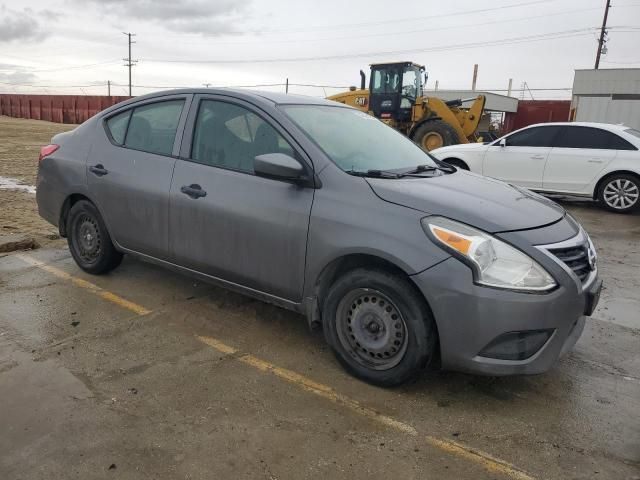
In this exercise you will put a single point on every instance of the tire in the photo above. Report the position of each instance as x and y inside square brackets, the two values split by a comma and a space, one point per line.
[434, 134]
[379, 326]
[89, 241]
[620, 193]
[457, 163]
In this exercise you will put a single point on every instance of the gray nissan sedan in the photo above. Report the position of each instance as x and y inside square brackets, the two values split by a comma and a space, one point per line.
[405, 262]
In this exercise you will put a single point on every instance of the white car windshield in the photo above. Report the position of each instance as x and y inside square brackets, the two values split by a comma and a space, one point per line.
[356, 141]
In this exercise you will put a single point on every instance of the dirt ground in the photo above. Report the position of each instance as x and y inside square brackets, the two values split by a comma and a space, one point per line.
[20, 142]
[144, 373]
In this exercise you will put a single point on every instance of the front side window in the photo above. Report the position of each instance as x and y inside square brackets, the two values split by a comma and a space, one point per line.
[230, 136]
[152, 127]
[356, 141]
[533, 137]
[385, 80]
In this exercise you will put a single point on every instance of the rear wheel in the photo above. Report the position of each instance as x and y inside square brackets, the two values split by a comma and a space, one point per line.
[89, 241]
[435, 134]
[378, 326]
[620, 193]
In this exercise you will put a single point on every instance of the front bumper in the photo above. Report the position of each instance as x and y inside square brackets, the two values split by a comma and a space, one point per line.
[469, 317]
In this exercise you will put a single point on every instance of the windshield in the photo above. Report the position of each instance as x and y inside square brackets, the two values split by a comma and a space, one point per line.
[356, 141]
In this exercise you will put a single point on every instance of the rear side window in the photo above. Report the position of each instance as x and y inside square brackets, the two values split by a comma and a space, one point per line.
[231, 136]
[533, 137]
[592, 138]
[117, 126]
[152, 127]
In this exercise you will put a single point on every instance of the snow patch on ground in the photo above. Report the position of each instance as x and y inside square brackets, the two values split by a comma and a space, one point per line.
[13, 184]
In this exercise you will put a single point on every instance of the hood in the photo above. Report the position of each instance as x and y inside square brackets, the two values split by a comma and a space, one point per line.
[482, 202]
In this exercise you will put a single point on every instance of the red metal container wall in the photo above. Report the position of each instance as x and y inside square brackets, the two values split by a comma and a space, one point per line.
[537, 111]
[55, 108]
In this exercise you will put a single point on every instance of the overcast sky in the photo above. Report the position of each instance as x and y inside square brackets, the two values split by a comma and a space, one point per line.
[75, 46]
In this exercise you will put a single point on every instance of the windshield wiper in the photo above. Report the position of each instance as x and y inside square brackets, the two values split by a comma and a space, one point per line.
[427, 168]
[373, 173]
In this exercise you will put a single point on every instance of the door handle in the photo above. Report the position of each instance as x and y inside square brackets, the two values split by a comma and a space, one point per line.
[194, 190]
[98, 170]
[538, 157]
[595, 160]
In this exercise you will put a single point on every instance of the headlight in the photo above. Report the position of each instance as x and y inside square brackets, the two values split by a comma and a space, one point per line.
[494, 262]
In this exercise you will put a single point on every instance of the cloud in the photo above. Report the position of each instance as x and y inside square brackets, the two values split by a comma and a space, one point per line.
[17, 77]
[21, 25]
[187, 16]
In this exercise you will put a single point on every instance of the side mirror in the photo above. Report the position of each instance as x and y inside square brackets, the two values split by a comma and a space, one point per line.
[503, 142]
[279, 166]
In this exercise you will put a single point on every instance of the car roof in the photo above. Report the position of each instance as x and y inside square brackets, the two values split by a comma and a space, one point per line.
[254, 96]
[606, 126]
[277, 98]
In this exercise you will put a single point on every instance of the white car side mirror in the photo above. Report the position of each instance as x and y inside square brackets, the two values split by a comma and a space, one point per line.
[503, 142]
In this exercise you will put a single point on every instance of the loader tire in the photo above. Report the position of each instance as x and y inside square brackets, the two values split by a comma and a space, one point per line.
[435, 134]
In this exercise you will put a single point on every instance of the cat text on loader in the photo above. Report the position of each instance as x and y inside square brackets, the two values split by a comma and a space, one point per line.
[395, 96]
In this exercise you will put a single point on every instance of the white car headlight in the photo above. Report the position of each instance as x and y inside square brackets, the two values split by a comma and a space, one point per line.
[494, 262]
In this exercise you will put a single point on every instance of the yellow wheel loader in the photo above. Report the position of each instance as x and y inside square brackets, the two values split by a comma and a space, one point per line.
[395, 96]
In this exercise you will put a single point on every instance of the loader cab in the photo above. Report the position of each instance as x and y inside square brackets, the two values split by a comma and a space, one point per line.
[393, 90]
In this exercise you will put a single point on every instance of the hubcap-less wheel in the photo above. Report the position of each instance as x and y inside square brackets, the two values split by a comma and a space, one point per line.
[371, 328]
[87, 238]
[431, 141]
[620, 194]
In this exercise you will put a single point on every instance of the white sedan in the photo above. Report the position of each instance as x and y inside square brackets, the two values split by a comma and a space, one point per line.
[595, 160]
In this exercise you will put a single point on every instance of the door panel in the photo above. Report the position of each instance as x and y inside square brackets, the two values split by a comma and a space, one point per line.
[522, 166]
[227, 222]
[578, 156]
[248, 230]
[131, 186]
[522, 160]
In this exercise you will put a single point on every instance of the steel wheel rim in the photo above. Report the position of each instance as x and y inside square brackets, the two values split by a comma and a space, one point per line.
[621, 194]
[432, 140]
[87, 239]
[371, 329]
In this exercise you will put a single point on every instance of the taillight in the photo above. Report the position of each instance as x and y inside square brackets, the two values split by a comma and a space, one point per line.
[47, 150]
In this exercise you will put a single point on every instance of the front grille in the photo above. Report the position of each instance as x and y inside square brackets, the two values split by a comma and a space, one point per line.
[576, 258]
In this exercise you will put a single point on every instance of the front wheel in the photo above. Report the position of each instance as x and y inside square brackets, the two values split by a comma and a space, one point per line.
[620, 193]
[379, 326]
[435, 134]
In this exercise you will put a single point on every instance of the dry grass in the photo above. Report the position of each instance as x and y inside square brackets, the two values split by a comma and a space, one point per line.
[20, 142]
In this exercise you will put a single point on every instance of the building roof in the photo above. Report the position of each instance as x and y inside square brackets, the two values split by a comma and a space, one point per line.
[495, 102]
[607, 81]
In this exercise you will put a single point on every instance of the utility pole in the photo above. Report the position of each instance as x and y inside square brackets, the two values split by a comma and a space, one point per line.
[475, 78]
[286, 86]
[108, 88]
[436, 87]
[130, 63]
[603, 34]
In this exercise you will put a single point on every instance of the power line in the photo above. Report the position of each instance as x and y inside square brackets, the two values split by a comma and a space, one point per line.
[506, 41]
[403, 32]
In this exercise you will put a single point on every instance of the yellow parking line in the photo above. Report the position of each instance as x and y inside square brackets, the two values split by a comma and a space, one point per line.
[479, 457]
[489, 462]
[79, 282]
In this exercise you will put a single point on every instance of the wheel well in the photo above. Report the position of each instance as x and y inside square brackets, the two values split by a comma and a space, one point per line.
[454, 160]
[69, 202]
[342, 265]
[609, 175]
